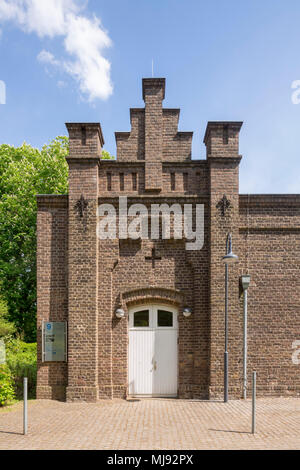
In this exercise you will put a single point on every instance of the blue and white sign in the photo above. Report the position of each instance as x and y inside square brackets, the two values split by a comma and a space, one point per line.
[54, 341]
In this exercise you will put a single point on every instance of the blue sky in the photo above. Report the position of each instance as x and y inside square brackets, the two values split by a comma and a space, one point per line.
[223, 60]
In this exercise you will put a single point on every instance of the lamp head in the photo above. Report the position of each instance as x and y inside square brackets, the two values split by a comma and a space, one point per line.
[230, 257]
[245, 281]
[187, 312]
[120, 313]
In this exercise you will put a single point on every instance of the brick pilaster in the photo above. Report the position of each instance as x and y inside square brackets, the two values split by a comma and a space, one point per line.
[85, 149]
[153, 95]
[221, 140]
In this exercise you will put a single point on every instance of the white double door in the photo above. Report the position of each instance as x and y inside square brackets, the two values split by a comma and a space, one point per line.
[153, 361]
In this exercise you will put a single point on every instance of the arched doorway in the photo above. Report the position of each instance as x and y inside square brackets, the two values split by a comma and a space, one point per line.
[153, 350]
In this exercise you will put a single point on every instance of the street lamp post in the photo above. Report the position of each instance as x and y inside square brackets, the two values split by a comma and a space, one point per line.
[229, 258]
[245, 281]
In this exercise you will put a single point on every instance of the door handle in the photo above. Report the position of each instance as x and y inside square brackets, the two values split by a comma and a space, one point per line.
[155, 365]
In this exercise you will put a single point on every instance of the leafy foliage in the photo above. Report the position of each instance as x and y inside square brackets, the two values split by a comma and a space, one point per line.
[25, 172]
[6, 385]
[106, 155]
[7, 329]
[21, 359]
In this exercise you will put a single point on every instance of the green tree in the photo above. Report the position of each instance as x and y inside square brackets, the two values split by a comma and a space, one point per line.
[7, 329]
[25, 172]
[7, 393]
[106, 155]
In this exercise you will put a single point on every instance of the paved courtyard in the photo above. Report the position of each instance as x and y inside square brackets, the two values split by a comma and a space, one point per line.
[153, 424]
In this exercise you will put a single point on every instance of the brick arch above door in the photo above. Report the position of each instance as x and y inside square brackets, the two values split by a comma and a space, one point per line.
[152, 294]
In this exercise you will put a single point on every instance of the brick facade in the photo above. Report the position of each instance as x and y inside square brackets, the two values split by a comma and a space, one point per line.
[83, 280]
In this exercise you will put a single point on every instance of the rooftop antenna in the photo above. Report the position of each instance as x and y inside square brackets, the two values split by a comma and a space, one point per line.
[152, 69]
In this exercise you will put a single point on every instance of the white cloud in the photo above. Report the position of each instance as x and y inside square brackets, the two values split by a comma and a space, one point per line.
[61, 84]
[84, 39]
[47, 57]
[11, 11]
[43, 17]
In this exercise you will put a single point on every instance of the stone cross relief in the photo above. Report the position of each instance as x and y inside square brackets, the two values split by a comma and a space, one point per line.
[154, 257]
[81, 206]
[224, 204]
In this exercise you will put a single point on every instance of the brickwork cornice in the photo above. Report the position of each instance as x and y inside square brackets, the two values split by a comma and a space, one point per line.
[130, 164]
[166, 163]
[73, 127]
[79, 159]
[228, 160]
[52, 200]
[213, 125]
[186, 164]
[121, 135]
[273, 228]
[154, 83]
[157, 197]
[274, 200]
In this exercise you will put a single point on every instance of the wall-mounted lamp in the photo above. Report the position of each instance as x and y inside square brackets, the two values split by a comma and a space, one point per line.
[120, 313]
[187, 312]
[229, 258]
[245, 281]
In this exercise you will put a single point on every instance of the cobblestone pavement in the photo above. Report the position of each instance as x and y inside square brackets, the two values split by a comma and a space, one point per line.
[153, 424]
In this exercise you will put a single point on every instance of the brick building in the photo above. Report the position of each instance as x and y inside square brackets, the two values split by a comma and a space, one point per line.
[154, 349]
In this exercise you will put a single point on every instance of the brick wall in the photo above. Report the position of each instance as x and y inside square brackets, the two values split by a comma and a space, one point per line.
[270, 253]
[84, 280]
[52, 287]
